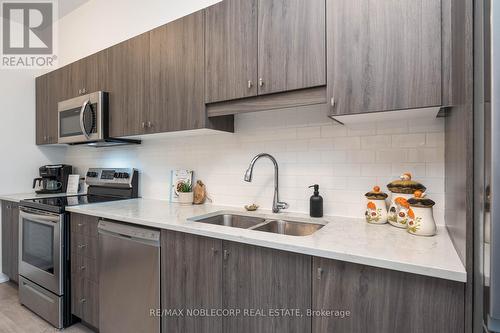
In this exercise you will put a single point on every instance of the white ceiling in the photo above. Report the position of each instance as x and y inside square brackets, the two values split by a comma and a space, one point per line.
[67, 6]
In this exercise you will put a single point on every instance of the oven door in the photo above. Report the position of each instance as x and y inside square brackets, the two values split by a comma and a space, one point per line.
[41, 248]
[81, 118]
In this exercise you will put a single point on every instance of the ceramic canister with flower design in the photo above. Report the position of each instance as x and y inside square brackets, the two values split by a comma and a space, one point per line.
[401, 190]
[422, 222]
[376, 209]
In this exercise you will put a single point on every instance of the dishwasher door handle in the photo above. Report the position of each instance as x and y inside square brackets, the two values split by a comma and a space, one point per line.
[129, 233]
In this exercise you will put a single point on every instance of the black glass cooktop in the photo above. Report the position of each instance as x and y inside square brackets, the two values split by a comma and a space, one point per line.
[58, 204]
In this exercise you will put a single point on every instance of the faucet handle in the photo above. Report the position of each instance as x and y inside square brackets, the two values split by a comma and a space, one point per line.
[282, 205]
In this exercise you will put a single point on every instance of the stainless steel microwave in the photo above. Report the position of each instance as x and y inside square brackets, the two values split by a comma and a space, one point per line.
[83, 119]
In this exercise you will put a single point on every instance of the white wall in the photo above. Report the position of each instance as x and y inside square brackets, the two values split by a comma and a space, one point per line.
[99, 24]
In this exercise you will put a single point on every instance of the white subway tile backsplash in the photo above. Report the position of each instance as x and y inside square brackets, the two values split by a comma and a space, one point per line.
[311, 149]
[435, 140]
[333, 130]
[347, 143]
[408, 140]
[376, 142]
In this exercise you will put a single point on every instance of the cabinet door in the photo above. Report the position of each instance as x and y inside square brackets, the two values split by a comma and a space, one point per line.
[260, 278]
[292, 45]
[231, 50]
[128, 86]
[7, 239]
[42, 109]
[14, 219]
[383, 55]
[177, 75]
[89, 74]
[192, 279]
[384, 301]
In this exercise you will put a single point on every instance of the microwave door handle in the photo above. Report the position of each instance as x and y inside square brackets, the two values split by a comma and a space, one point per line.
[82, 125]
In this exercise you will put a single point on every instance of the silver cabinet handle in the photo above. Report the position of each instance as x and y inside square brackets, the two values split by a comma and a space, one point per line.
[226, 254]
[81, 246]
[79, 91]
[320, 273]
[214, 250]
[83, 300]
[82, 268]
[150, 124]
[143, 124]
[250, 84]
[261, 82]
[333, 102]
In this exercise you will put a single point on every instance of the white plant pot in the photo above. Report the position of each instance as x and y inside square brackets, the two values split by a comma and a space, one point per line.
[186, 198]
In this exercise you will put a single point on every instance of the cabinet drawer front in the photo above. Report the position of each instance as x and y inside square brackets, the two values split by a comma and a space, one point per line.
[84, 267]
[85, 300]
[84, 225]
[76, 295]
[84, 245]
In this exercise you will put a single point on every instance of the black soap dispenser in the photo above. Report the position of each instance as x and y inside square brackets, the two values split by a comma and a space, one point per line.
[316, 203]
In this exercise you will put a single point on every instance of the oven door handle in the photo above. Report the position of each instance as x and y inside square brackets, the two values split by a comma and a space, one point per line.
[49, 220]
[82, 114]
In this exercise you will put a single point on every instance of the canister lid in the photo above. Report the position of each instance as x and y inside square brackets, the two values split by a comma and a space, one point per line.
[405, 185]
[376, 194]
[419, 200]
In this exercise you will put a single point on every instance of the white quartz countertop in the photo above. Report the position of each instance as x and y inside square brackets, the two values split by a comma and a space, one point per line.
[31, 195]
[345, 239]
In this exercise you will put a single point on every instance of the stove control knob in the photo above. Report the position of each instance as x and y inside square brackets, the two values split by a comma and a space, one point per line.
[91, 174]
[125, 175]
[116, 175]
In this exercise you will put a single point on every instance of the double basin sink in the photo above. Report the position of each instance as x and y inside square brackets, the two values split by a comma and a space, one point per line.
[277, 226]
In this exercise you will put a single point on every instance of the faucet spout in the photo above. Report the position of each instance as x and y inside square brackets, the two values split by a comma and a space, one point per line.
[277, 205]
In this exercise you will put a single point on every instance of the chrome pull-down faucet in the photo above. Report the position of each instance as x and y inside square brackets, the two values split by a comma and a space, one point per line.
[277, 204]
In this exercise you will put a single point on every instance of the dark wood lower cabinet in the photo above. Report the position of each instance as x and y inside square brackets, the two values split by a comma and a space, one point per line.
[254, 284]
[384, 301]
[84, 269]
[191, 279]
[10, 240]
[264, 282]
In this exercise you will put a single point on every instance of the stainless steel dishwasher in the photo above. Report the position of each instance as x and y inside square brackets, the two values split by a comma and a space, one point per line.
[129, 278]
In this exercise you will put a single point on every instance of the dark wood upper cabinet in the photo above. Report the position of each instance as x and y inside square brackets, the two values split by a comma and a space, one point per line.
[261, 278]
[89, 74]
[257, 47]
[384, 301]
[191, 271]
[10, 239]
[383, 55]
[128, 84]
[177, 75]
[231, 50]
[292, 45]
[42, 108]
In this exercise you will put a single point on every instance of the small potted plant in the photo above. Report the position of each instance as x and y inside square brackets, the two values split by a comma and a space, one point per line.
[185, 193]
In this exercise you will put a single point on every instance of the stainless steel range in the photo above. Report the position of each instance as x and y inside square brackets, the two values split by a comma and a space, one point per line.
[44, 242]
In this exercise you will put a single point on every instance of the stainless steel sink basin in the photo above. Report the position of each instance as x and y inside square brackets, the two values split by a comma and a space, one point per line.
[232, 220]
[277, 226]
[289, 228]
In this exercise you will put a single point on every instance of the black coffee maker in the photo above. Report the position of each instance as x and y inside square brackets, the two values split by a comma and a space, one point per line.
[53, 179]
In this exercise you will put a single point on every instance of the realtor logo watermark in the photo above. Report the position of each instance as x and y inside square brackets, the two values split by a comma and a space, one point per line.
[28, 34]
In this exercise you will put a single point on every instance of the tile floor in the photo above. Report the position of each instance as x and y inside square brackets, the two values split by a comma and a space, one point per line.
[15, 318]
